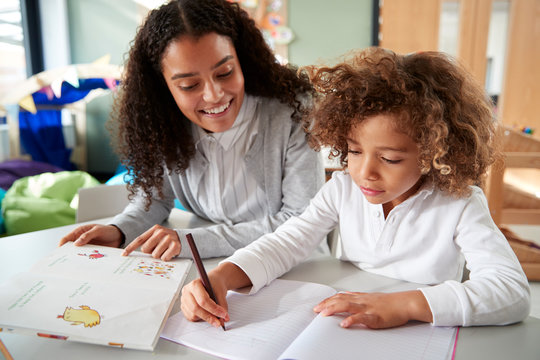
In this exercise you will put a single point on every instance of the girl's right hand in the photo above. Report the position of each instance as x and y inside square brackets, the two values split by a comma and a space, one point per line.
[106, 235]
[197, 305]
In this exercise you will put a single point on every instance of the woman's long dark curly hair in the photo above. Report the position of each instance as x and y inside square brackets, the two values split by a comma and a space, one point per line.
[436, 101]
[150, 133]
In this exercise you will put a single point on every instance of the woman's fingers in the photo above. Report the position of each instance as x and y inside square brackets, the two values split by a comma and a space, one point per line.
[106, 235]
[163, 243]
[75, 234]
[136, 243]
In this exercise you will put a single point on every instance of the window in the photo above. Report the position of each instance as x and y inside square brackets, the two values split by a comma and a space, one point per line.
[12, 53]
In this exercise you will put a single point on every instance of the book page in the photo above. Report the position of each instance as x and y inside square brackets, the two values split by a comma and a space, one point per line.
[102, 263]
[84, 310]
[262, 325]
[97, 299]
[325, 339]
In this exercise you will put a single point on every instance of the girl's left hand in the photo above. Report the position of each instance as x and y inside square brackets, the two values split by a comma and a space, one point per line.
[163, 243]
[377, 310]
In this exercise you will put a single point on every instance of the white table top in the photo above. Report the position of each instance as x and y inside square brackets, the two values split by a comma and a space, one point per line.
[18, 253]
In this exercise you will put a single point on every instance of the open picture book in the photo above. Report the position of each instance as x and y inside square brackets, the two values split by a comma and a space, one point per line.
[278, 322]
[93, 294]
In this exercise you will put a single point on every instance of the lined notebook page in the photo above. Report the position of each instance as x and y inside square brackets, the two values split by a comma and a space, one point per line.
[325, 339]
[261, 326]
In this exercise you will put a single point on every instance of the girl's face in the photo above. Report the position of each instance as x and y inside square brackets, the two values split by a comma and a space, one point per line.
[383, 162]
[204, 77]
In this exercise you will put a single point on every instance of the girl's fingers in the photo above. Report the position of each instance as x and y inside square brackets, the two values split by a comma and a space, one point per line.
[339, 303]
[196, 304]
[372, 321]
[196, 313]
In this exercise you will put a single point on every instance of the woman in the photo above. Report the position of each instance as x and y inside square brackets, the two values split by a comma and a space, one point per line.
[206, 115]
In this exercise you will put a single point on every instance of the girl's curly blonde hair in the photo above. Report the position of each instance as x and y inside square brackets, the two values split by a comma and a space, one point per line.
[437, 103]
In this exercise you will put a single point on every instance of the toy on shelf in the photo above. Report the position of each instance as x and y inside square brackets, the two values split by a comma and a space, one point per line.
[526, 130]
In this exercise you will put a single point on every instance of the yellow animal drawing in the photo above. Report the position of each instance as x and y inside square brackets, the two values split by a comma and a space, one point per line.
[84, 315]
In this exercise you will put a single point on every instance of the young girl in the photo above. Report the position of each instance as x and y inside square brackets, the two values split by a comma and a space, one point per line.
[416, 135]
[206, 115]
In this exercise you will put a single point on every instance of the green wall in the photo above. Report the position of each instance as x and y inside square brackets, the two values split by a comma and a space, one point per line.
[97, 28]
[325, 29]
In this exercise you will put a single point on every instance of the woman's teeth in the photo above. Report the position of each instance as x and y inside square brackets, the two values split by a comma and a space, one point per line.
[218, 109]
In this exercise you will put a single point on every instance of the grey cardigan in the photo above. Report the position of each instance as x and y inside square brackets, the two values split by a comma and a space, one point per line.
[283, 164]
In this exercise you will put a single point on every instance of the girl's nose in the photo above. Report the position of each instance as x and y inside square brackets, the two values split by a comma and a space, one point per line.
[368, 170]
[212, 92]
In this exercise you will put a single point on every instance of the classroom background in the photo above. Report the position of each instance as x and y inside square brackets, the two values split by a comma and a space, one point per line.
[67, 56]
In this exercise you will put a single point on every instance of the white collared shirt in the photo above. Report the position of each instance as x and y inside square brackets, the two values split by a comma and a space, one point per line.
[227, 191]
[425, 240]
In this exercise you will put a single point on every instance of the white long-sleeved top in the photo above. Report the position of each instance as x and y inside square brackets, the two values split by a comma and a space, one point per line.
[426, 239]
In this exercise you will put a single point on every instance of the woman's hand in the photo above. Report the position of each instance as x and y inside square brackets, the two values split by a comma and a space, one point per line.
[197, 305]
[106, 235]
[377, 310]
[163, 243]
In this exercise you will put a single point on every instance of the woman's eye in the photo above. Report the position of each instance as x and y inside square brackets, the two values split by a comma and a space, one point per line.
[187, 87]
[354, 152]
[225, 74]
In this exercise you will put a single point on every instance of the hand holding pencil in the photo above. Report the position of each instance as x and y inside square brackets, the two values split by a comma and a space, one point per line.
[202, 273]
[197, 303]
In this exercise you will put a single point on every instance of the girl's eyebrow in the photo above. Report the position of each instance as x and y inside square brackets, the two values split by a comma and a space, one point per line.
[390, 148]
[218, 64]
[350, 140]
[380, 148]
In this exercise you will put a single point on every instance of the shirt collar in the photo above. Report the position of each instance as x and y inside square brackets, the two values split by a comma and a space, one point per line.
[426, 189]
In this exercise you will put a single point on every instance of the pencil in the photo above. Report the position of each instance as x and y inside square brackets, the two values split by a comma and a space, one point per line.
[4, 351]
[202, 271]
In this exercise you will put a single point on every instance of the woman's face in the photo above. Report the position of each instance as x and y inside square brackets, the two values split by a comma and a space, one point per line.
[204, 77]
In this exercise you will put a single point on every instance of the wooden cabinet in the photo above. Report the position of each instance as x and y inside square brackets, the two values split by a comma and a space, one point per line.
[413, 25]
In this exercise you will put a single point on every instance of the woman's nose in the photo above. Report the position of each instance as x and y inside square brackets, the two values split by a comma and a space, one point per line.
[212, 92]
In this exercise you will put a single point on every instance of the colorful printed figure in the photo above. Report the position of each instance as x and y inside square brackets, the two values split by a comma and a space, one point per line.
[155, 268]
[94, 255]
[85, 315]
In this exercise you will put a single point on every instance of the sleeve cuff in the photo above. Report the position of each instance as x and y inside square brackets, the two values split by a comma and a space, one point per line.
[444, 305]
[252, 267]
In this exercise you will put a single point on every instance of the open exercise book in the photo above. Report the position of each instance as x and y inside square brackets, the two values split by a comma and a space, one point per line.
[93, 294]
[278, 323]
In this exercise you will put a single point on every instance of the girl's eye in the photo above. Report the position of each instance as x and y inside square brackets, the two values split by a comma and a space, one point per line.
[391, 161]
[354, 152]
